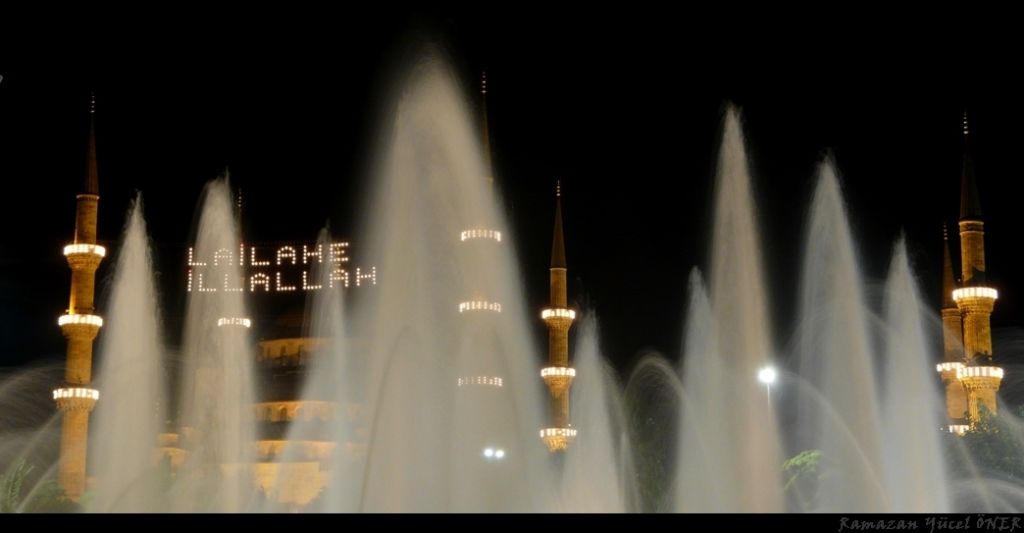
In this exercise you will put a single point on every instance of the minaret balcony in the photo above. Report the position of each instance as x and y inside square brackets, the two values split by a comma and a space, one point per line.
[949, 369]
[959, 429]
[979, 372]
[234, 321]
[558, 312]
[479, 305]
[557, 439]
[558, 317]
[558, 378]
[85, 249]
[949, 366]
[966, 294]
[79, 325]
[980, 377]
[480, 381]
[480, 233]
[75, 398]
[84, 255]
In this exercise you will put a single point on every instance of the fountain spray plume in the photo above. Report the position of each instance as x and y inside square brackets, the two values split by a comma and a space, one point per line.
[331, 387]
[130, 376]
[838, 412]
[743, 442]
[697, 487]
[915, 469]
[217, 394]
[599, 466]
[453, 369]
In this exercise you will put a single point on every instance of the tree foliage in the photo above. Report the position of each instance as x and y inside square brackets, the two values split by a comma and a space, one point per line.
[995, 444]
[17, 494]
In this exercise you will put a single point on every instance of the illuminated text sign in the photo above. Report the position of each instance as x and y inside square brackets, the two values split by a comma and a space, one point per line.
[276, 269]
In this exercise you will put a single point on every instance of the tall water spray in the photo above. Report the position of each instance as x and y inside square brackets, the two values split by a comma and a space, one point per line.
[217, 380]
[332, 379]
[838, 409]
[696, 458]
[598, 469]
[915, 470]
[738, 429]
[29, 433]
[453, 390]
[132, 381]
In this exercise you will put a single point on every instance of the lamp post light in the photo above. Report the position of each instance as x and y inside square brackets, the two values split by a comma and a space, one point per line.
[767, 375]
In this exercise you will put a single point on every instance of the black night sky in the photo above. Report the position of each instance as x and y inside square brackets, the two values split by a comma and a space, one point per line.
[624, 107]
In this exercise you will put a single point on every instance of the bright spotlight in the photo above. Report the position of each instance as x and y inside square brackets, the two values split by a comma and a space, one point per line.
[767, 375]
[500, 454]
[488, 452]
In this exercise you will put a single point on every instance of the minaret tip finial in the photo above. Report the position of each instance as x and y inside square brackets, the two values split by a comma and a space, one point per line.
[483, 82]
[966, 130]
[945, 233]
[92, 102]
[558, 188]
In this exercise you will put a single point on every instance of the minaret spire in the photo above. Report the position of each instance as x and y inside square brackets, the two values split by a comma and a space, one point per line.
[558, 241]
[485, 129]
[948, 277]
[75, 398]
[970, 205]
[952, 344]
[975, 300]
[558, 375]
[91, 184]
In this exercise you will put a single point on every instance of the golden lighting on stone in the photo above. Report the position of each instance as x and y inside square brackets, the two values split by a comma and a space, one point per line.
[946, 367]
[90, 320]
[979, 372]
[76, 392]
[490, 381]
[234, 322]
[481, 234]
[975, 292]
[558, 371]
[479, 305]
[290, 410]
[92, 249]
[559, 312]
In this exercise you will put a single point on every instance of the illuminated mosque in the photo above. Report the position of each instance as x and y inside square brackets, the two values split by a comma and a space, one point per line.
[284, 421]
[299, 426]
[967, 370]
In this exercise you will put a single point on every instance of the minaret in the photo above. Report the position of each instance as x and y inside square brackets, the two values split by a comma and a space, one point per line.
[558, 375]
[481, 380]
[952, 342]
[80, 324]
[488, 166]
[975, 298]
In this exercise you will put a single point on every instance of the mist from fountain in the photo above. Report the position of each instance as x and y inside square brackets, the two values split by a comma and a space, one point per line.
[130, 374]
[217, 397]
[915, 470]
[839, 415]
[879, 445]
[333, 379]
[437, 407]
[451, 365]
[29, 432]
[741, 446]
[598, 470]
